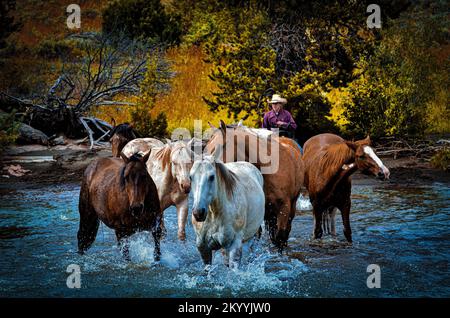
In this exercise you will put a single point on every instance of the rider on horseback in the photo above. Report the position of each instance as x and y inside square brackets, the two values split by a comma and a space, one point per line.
[279, 117]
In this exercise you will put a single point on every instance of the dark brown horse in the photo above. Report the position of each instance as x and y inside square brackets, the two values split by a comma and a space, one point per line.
[329, 163]
[279, 160]
[119, 136]
[122, 195]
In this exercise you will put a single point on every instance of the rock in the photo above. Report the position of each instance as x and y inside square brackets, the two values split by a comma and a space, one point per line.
[15, 170]
[30, 135]
[58, 141]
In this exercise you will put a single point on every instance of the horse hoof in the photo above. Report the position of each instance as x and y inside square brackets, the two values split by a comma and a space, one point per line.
[182, 237]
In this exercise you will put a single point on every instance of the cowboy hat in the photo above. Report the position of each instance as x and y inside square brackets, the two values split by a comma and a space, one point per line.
[277, 99]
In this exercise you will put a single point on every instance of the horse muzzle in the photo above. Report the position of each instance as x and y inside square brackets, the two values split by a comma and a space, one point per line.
[384, 173]
[199, 214]
[137, 209]
[185, 187]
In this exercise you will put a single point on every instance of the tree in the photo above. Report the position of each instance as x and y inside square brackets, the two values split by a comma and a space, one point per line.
[7, 23]
[103, 68]
[143, 19]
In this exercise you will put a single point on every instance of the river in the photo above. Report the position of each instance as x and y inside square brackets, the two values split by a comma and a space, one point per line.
[405, 230]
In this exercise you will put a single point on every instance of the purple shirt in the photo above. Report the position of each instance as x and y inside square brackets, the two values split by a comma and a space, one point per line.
[271, 118]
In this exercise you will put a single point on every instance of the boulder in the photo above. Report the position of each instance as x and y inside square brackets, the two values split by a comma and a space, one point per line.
[30, 135]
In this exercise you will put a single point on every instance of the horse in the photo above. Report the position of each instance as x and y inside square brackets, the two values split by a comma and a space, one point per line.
[228, 207]
[281, 186]
[169, 167]
[122, 195]
[141, 146]
[329, 163]
[119, 136]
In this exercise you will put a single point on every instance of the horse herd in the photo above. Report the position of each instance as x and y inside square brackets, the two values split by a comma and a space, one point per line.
[232, 192]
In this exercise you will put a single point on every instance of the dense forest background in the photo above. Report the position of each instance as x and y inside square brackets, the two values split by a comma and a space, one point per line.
[211, 60]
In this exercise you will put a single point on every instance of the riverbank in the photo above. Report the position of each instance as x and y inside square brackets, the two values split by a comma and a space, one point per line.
[69, 162]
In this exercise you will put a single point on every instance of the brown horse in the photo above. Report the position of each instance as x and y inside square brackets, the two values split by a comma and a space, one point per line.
[329, 163]
[123, 196]
[282, 181]
[119, 136]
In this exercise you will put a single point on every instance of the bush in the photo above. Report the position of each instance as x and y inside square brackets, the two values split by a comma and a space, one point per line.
[9, 129]
[441, 160]
[146, 126]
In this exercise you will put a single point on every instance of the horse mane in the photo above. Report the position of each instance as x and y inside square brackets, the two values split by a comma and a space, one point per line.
[163, 154]
[334, 157]
[226, 178]
[124, 130]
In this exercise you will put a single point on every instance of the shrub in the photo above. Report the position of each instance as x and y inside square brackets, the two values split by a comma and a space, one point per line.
[9, 129]
[441, 160]
[144, 19]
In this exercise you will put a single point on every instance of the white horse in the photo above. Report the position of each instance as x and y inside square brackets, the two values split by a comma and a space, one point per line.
[228, 207]
[169, 166]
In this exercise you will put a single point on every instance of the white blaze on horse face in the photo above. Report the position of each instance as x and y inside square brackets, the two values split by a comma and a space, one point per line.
[369, 151]
[204, 185]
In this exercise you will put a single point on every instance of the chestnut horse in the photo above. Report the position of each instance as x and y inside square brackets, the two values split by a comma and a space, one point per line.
[122, 195]
[281, 185]
[329, 163]
[119, 136]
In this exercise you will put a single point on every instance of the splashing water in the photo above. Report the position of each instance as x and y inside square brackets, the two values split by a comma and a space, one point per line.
[404, 230]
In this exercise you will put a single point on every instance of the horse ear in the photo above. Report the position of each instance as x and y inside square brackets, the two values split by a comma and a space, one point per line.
[367, 140]
[125, 158]
[113, 121]
[352, 145]
[146, 156]
[223, 127]
[211, 125]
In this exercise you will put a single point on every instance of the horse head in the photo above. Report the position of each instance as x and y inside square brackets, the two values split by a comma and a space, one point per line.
[181, 164]
[203, 179]
[119, 136]
[135, 181]
[366, 160]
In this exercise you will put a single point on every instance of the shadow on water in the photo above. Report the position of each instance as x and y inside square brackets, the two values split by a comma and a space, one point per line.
[404, 230]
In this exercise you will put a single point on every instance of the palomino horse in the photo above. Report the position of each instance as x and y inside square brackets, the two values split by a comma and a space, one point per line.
[228, 207]
[329, 163]
[169, 166]
[281, 186]
[123, 196]
[119, 136]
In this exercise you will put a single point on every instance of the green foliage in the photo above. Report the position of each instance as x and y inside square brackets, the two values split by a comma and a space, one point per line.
[441, 160]
[146, 125]
[403, 88]
[145, 19]
[9, 129]
[51, 49]
[7, 23]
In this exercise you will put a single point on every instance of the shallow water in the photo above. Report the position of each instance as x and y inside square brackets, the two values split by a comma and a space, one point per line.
[404, 230]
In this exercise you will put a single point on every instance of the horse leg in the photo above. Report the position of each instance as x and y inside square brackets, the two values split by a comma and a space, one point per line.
[284, 220]
[88, 226]
[157, 234]
[317, 223]
[226, 257]
[235, 257]
[206, 254]
[345, 213]
[182, 213]
[333, 221]
[122, 241]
